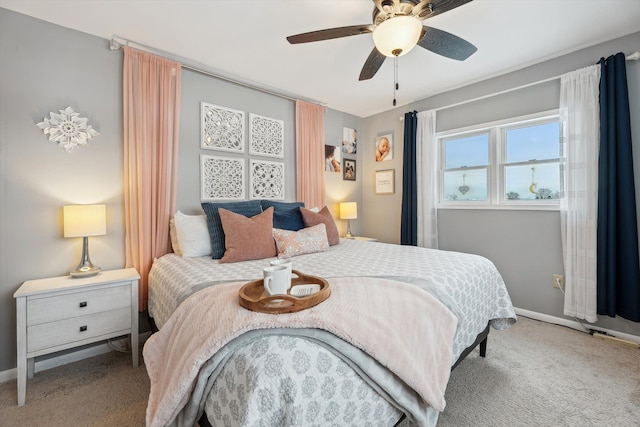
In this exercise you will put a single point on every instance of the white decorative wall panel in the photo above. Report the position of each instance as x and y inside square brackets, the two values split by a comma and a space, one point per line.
[266, 136]
[222, 128]
[221, 178]
[267, 180]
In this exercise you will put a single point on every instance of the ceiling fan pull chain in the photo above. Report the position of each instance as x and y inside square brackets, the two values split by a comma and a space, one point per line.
[395, 78]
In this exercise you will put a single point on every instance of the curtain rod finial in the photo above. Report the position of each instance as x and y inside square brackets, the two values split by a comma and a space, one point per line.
[114, 44]
[634, 56]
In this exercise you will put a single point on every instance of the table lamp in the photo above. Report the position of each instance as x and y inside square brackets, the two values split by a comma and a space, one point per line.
[349, 211]
[84, 221]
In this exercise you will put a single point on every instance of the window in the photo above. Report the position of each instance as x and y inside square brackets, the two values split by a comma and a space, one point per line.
[515, 162]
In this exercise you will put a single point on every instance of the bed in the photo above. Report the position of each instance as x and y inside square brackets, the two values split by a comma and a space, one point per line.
[282, 375]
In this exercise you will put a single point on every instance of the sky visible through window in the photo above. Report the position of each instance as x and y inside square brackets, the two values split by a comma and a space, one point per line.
[539, 142]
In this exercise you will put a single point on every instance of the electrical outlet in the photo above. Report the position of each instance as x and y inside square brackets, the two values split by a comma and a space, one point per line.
[558, 281]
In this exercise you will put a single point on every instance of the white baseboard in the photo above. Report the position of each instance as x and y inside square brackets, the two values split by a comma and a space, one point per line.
[63, 359]
[574, 324]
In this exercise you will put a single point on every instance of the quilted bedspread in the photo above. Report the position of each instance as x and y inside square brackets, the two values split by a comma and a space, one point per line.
[329, 390]
[403, 328]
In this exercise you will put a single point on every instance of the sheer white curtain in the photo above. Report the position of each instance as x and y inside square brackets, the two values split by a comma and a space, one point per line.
[427, 179]
[579, 93]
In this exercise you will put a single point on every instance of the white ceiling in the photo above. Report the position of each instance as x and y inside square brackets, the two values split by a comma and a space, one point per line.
[246, 40]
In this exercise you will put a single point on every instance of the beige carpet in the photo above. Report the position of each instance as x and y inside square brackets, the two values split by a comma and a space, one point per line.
[100, 391]
[535, 374]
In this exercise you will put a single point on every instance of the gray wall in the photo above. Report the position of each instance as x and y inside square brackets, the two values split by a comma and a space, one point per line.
[45, 68]
[524, 245]
[37, 178]
[336, 189]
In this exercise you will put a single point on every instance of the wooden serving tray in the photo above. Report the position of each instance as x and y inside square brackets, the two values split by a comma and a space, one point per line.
[254, 297]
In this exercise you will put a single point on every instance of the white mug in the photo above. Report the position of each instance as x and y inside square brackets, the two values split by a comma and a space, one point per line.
[276, 279]
[287, 263]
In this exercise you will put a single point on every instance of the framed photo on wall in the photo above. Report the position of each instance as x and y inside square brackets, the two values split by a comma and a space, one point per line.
[349, 170]
[332, 158]
[349, 141]
[385, 181]
[384, 147]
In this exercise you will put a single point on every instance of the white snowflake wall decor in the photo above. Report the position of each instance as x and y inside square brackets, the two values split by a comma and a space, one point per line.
[221, 178]
[68, 129]
[222, 128]
[267, 180]
[266, 136]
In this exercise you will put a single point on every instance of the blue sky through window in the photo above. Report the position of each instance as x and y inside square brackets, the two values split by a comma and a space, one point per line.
[538, 142]
[468, 151]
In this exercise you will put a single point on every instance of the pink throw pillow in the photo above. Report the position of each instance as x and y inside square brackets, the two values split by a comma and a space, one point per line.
[311, 218]
[247, 238]
[305, 241]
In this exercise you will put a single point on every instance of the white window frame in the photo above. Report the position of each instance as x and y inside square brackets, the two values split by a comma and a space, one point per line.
[496, 197]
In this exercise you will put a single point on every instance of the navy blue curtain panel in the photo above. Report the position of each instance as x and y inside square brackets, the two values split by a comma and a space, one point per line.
[409, 218]
[618, 260]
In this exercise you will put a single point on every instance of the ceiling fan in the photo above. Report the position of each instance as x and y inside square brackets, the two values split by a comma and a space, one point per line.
[397, 28]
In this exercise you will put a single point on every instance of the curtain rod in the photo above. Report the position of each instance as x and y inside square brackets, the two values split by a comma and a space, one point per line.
[631, 57]
[118, 42]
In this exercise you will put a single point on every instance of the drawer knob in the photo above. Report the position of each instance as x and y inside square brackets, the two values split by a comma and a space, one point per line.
[83, 304]
[83, 328]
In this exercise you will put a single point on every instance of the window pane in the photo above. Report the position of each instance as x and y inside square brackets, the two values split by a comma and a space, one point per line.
[468, 151]
[466, 185]
[538, 142]
[545, 183]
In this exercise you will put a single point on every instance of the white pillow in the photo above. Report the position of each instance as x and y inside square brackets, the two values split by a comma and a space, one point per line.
[193, 235]
[174, 237]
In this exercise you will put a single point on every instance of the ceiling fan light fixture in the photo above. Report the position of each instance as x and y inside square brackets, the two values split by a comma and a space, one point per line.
[398, 35]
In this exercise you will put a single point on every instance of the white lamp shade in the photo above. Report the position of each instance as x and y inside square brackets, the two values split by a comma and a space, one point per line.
[398, 35]
[349, 210]
[85, 220]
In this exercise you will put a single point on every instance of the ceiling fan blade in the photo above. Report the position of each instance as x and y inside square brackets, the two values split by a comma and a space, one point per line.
[437, 7]
[331, 33]
[372, 65]
[446, 44]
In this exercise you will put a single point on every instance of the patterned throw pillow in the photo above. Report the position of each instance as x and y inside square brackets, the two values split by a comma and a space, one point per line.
[323, 217]
[247, 238]
[306, 241]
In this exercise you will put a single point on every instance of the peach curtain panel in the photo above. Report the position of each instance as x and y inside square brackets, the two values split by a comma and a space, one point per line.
[310, 154]
[151, 98]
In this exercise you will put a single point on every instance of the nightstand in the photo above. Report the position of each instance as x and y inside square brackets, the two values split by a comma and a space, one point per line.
[363, 239]
[64, 312]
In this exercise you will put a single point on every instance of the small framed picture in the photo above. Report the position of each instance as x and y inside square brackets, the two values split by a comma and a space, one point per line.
[385, 181]
[349, 141]
[332, 158]
[384, 147]
[349, 170]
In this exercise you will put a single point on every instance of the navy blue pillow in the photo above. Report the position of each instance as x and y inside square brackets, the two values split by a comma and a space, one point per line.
[247, 208]
[286, 215]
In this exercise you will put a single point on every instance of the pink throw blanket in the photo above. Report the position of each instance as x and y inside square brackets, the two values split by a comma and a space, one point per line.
[400, 325]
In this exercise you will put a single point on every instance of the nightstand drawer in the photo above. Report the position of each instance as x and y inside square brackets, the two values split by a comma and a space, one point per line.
[79, 328]
[59, 307]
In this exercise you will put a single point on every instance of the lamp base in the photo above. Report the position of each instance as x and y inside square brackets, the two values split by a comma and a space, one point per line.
[348, 235]
[85, 268]
[85, 272]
